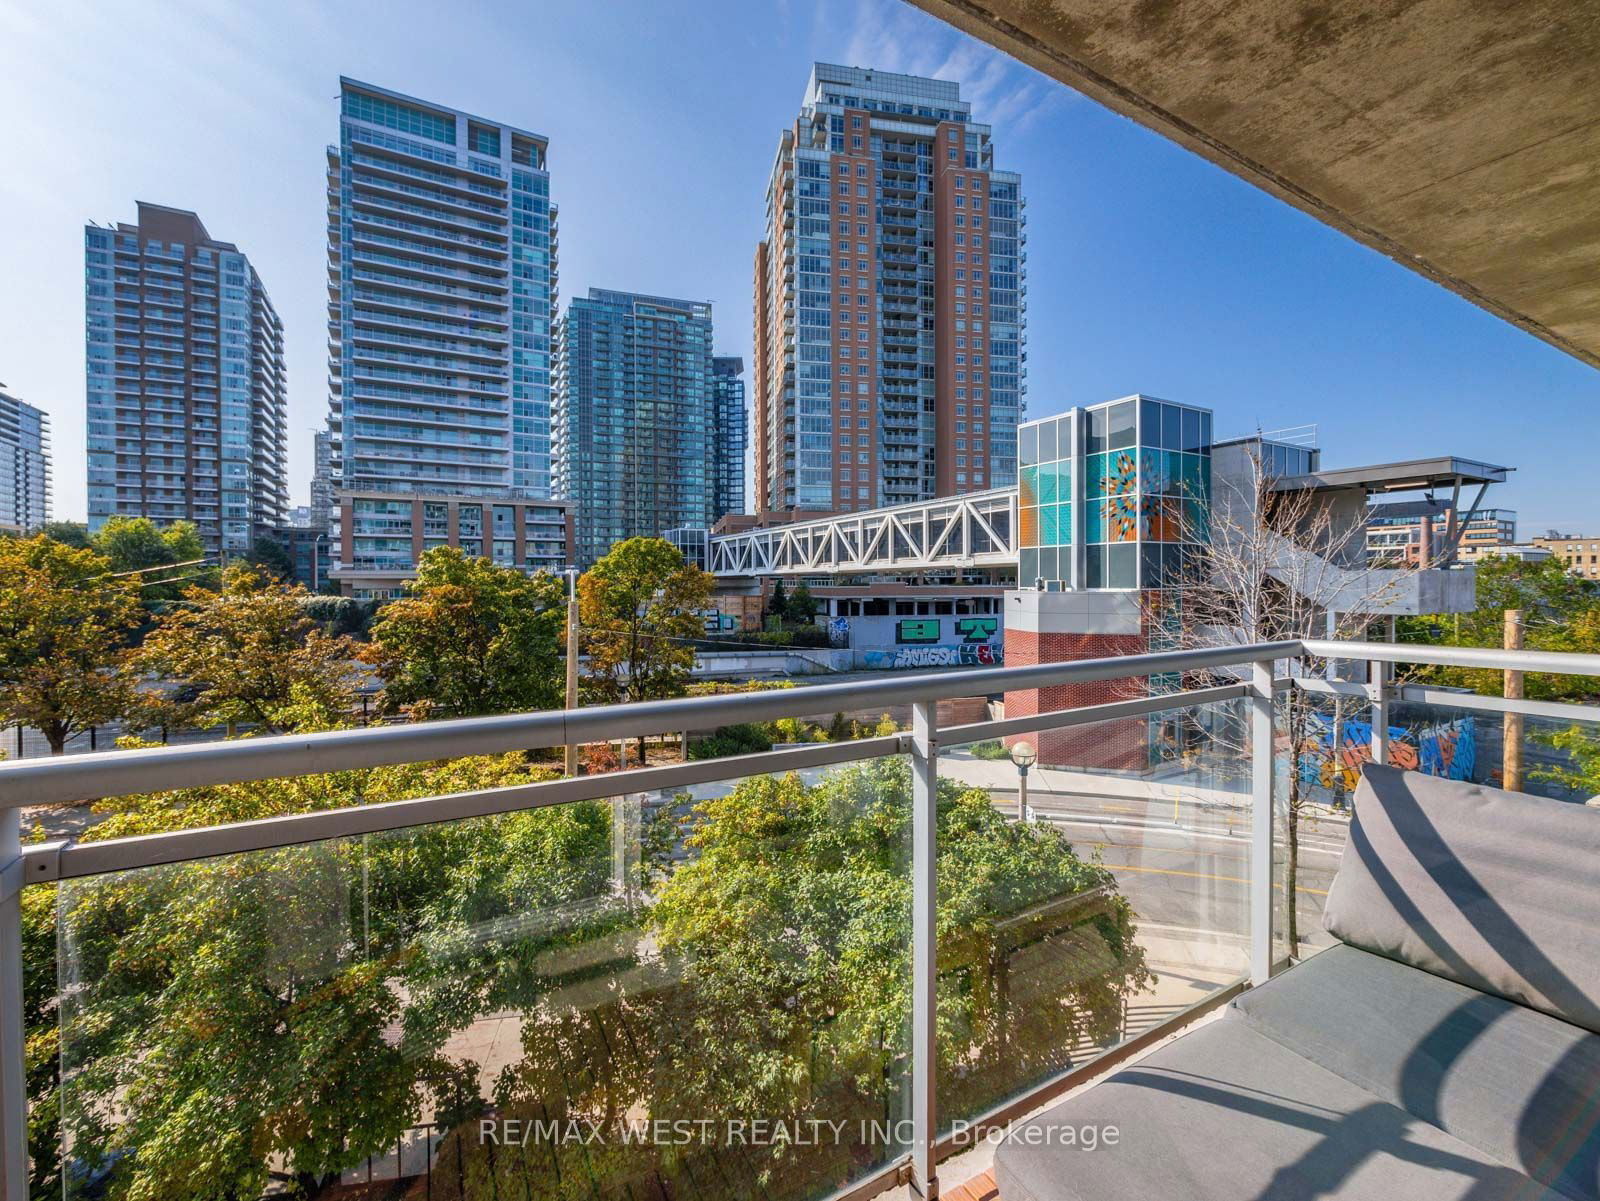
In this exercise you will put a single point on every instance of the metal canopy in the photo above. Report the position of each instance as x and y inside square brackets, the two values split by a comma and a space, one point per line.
[1411, 475]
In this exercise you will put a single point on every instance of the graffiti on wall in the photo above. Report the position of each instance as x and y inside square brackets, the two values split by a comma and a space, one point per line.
[838, 632]
[922, 631]
[977, 629]
[966, 655]
[1448, 749]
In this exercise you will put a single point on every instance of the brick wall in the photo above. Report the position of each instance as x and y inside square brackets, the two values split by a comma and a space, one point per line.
[1119, 745]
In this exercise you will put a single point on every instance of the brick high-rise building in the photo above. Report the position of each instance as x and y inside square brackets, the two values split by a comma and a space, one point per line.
[441, 291]
[889, 288]
[635, 417]
[24, 466]
[187, 398]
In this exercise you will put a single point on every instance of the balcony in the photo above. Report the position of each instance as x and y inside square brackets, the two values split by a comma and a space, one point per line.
[811, 972]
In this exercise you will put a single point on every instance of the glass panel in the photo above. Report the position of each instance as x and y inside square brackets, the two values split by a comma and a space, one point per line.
[1047, 484]
[1094, 567]
[1064, 432]
[1171, 427]
[449, 1008]
[1095, 441]
[1122, 566]
[1028, 486]
[1027, 568]
[1122, 419]
[1094, 521]
[1149, 423]
[1050, 565]
[1064, 524]
[1028, 444]
[1122, 902]
[1028, 526]
[1191, 430]
[1047, 441]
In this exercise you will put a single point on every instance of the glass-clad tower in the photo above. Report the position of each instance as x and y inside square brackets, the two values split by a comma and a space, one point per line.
[635, 417]
[24, 466]
[889, 300]
[730, 436]
[187, 394]
[441, 290]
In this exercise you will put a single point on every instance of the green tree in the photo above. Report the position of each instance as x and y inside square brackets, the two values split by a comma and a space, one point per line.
[272, 557]
[470, 637]
[69, 533]
[136, 544]
[780, 949]
[1561, 613]
[778, 605]
[64, 621]
[287, 1009]
[639, 608]
[247, 653]
[802, 608]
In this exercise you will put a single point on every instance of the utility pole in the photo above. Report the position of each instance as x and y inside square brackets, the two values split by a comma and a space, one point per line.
[572, 660]
[1511, 751]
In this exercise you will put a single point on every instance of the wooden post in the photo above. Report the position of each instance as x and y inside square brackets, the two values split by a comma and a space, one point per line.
[1511, 752]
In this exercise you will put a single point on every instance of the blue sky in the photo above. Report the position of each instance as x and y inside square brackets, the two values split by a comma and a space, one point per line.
[1149, 270]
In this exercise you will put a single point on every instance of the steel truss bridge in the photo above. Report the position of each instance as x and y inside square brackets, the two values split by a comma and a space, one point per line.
[975, 530]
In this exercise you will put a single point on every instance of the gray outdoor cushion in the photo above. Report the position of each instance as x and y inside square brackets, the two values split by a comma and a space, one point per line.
[1516, 1084]
[1495, 890]
[1225, 1113]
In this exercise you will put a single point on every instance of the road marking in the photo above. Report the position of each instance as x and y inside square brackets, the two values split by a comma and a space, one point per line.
[1173, 871]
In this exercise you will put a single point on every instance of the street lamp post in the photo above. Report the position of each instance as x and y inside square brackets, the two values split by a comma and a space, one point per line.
[1024, 755]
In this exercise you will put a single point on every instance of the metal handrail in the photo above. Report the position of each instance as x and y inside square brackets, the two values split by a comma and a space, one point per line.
[121, 773]
[156, 769]
[1563, 663]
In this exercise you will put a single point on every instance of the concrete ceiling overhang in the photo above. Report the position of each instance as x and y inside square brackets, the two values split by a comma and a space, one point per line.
[1459, 137]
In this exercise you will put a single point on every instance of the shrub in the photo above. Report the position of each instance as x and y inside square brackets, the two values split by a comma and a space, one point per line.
[743, 739]
[993, 749]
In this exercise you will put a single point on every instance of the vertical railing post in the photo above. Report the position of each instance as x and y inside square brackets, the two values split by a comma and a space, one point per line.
[1261, 770]
[924, 927]
[1378, 686]
[13, 1070]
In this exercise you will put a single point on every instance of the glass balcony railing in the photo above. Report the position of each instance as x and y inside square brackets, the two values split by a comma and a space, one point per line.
[791, 975]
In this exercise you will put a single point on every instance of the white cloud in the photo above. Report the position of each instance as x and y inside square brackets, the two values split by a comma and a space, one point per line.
[892, 36]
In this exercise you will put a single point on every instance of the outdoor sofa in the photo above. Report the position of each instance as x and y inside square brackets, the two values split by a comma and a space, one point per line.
[1447, 1046]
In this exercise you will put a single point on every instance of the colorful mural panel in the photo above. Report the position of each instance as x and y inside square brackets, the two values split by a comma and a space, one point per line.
[1448, 749]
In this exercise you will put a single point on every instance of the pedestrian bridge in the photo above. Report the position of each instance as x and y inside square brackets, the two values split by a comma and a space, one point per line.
[975, 530]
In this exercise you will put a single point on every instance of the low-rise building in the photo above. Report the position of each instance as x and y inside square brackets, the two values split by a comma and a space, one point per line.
[1429, 532]
[380, 536]
[309, 548]
[1581, 554]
